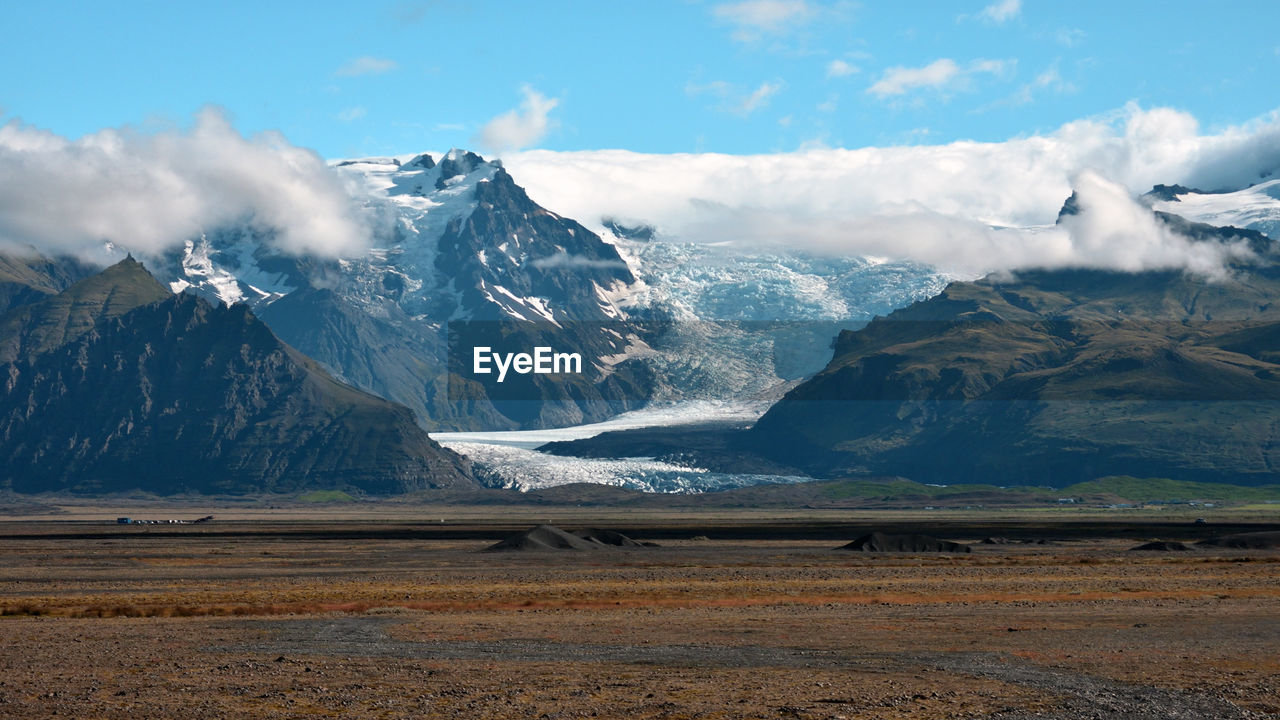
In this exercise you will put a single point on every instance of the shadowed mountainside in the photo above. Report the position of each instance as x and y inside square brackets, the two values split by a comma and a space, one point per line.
[1050, 378]
[116, 384]
[30, 277]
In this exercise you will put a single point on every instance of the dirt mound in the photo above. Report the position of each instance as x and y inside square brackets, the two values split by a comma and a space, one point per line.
[548, 537]
[1162, 546]
[1245, 541]
[880, 542]
[543, 537]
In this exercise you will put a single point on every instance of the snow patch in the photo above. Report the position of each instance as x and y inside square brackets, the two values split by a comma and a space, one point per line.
[1254, 208]
[196, 264]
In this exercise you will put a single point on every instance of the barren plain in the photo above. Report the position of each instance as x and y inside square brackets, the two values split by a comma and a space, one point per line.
[731, 617]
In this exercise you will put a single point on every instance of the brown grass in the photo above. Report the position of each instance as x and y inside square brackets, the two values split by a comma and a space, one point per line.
[589, 603]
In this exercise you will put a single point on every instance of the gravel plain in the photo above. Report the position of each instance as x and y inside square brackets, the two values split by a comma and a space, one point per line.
[292, 626]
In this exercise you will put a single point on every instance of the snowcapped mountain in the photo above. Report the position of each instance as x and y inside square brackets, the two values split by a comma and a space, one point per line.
[461, 255]
[457, 240]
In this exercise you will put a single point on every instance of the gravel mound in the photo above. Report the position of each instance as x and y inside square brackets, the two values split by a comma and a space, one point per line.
[548, 537]
[880, 542]
[1245, 541]
[1162, 546]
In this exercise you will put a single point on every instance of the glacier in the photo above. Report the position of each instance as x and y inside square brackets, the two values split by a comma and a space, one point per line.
[510, 456]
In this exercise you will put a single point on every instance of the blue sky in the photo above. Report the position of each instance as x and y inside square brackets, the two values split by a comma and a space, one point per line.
[761, 76]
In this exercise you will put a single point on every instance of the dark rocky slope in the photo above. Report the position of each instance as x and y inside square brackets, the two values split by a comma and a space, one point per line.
[176, 395]
[1051, 377]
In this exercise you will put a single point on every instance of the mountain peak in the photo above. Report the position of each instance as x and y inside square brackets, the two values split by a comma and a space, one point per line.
[131, 266]
[1168, 193]
[457, 163]
[127, 271]
[39, 327]
[1071, 206]
[423, 161]
[460, 155]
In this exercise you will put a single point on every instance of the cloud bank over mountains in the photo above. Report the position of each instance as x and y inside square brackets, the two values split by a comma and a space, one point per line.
[966, 207]
[147, 192]
[955, 206]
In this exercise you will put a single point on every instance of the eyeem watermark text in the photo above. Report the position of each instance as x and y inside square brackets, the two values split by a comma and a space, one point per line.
[543, 361]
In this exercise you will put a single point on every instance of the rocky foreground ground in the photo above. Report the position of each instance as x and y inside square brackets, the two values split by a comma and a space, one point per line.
[220, 624]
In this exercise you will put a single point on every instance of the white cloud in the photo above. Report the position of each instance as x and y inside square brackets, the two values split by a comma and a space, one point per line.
[940, 74]
[1069, 37]
[351, 114]
[732, 98]
[149, 192]
[756, 18]
[518, 129]
[898, 80]
[758, 98]
[562, 259]
[840, 68]
[1112, 230]
[935, 204]
[764, 14]
[1001, 11]
[366, 66]
[719, 88]
[1050, 79]
[816, 142]
[995, 67]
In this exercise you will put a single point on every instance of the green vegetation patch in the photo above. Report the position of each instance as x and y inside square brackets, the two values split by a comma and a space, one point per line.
[898, 488]
[1155, 489]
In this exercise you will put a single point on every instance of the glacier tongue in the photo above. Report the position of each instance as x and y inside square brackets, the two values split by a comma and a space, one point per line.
[524, 470]
[510, 455]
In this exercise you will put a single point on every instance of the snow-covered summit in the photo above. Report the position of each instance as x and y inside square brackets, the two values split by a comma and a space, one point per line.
[450, 237]
[1256, 207]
